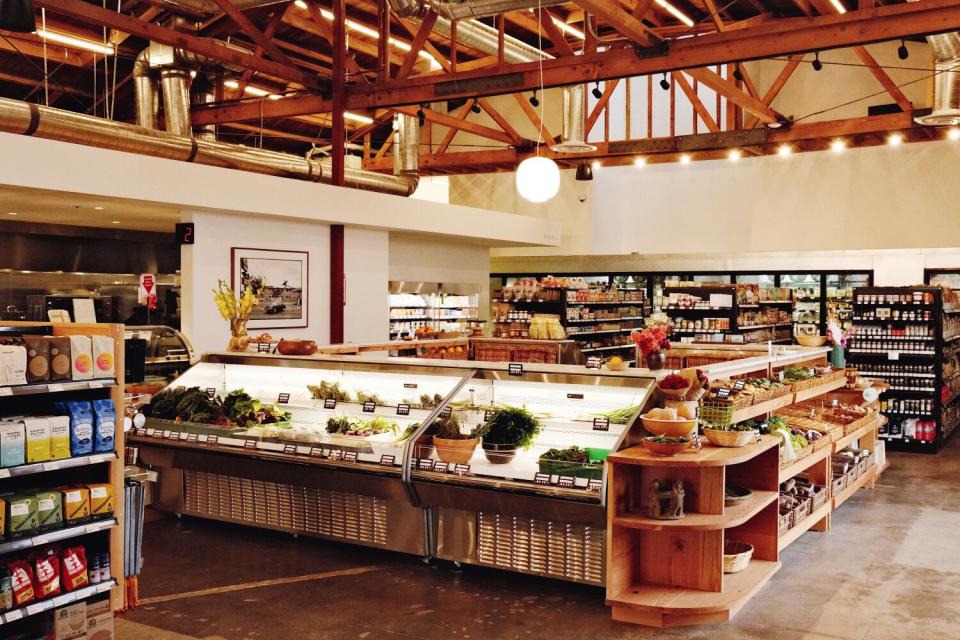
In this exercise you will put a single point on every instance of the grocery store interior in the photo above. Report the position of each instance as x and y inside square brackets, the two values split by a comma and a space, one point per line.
[479, 319]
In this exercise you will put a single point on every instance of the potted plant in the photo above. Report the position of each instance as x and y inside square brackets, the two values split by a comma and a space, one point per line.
[453, 446]
[837, 338]
[652, 342]
[508, 429]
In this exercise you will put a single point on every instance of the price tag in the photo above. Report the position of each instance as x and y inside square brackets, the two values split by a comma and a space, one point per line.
[50, 466]
[594, 486]
[440, 466]
[316, 452]
[541, 478]
[461, 469]
[140, 431]
[403, 409]
[335, 454]
[6, 391]
[446, 412]
[289, 449]
[738, 385]
[283, 398]
[593, 362]
[723, 394]
[566, 482]
[409, 385]
[249, 444]
[212, 439]
[330, 403]
[601, 424]
[425, 464]
[33, 609]
[211, 392]
[157, 433]
[53, 388]
[263, 347]
[515, 369]
[349, 456]
[173, 435]
[4, 473]
[893, 355]
[192, 437]
[574, 396]
[93, 384]
[369, 407]
[387, 461]
[59, 601]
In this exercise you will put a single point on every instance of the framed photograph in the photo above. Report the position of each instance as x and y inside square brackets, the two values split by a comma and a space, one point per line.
[280, 282]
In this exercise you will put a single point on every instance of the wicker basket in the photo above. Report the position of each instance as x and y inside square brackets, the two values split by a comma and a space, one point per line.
[736, 556]
[802, 511]
[801, 453]
[784, 522]
[825, 441]
[819, 497]
[717, 412]
[729, 438]
[838, 485]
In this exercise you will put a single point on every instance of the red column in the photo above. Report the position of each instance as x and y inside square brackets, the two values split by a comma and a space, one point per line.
[337, 275]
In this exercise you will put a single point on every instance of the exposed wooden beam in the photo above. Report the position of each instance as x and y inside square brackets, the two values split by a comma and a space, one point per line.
[271, 133]
[36, 82]
[714, 15]
[326, 31]
[260, 39]
[30, 45]
[417, 45]
[734, 94]
[452, 132]
[699, 108]
[428, 46]
[533, 117]
[883, 78]
[554, 34]
[268, 33]
[116, 38]
[641, 9]
[619, 19]
[502, 122]
[609, 87]
[470, 127]
[775, 88]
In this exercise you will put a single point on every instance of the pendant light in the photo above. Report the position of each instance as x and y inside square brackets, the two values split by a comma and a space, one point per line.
[17, 15]
[584, 171]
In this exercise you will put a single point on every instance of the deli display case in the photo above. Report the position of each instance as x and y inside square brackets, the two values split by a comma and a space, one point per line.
[386, 452]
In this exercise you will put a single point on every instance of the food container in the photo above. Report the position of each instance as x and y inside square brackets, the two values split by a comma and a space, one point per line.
[297, 347]
[665, 448]
[722, 438]
[736, 556]
[669, 428]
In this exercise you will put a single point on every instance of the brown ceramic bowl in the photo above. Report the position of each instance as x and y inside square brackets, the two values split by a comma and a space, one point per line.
[297, 347]
[665, 448]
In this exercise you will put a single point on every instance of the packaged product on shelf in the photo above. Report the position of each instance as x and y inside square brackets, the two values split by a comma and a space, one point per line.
[13, 364]
[59, 437]
[100, 621]
[81, 427]
[60, 360]
[101, 500]
[73, 569]
[6, 589]
[76, 505]
[102, 356]
[13, 442]
[21, 577]
[69, 623]
[21, 516]
[38, 359]
[49, 510]
[81, 354]
[106, 425]
[38, 439]
[46, 572]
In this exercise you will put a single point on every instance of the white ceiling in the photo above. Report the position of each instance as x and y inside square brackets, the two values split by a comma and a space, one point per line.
[56, 207]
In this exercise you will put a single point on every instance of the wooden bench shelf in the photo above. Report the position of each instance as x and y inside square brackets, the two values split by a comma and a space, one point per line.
[731, 517]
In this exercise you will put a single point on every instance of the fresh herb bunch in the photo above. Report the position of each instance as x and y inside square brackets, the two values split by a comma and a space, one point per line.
[187, 405]
[662, 439]
[363, 397]
[328, 391]
[448, 428]
[510, 425]
[620, 416]
[570, 454]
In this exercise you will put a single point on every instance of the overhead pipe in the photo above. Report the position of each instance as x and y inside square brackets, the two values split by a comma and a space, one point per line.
[574, 138]
[65, 126]
[146, 105]
[946, 82]
[459, 10]
[176, 100]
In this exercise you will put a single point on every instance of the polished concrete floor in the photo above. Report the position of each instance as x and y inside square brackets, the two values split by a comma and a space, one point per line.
[889, 569]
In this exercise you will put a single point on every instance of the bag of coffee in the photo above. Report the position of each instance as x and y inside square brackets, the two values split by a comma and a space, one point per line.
[81, 428]
[22, 518]
[73, 566]
[49, 510]
[38, 439]
[21, 574]
[13, 441]
[38, 359]
[81, 352]
[60, 360]
[46, 573]
[101, 500]
[76, 505]
[59, 437]
[106, 425]
[13, 364]
[102, 356]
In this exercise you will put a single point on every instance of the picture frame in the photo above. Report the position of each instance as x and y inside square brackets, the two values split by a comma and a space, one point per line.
[281, 283]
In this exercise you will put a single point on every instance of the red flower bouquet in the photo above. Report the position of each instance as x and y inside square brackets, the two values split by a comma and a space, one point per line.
[652, 339]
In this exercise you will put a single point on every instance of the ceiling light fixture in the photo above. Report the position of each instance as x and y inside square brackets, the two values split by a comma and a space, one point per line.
[18, 15]
[676, 13]
[533, 99]
[902, 52]
[838, 146]
[12, 213]
[584, 171]
[98, 208]
[895, 139]
[684, 159]
[737, 74]
[538, 179]
[357, 117]
[734, 154]
[475, 108]
[838, 6]
[595, 165]
[639, 162]
[784, 150]
[568, 29]
[74, 42]
[817, 65]
[114, 222]
[664, 83]
[596, 91]
[953, 133]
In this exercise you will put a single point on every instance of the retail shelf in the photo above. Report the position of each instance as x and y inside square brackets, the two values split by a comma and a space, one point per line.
[895, 305]
[852, 437]
[951, 338]
[731, 516]
[581, 320]
[618, 303]
[803, 526]
[901, 390]
[910, 445]
[748, 306]
[594, 333]
[57, 535]
[57, 387]
[698, 309]
[711, 331]
[528, 301]
[54, 465]
[819, 390]
[411, 319]
[885, 320]
[666, 600]
[804, 463]
[763, 408]
[885, 353]
[892, 338]
[58, 601]
[884, 374]
[776, 302]
[858, 484]
[610, 348]
[764, 326]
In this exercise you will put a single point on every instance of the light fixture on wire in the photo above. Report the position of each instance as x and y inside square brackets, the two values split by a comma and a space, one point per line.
[838, 146]
[534, 101]
[737, 74]
[421, 116]
[816, 64]
[902, 52]
[18, 16]
[596, 91]
[476, 108]
[664, 83]
[584, 171]
[538, 179]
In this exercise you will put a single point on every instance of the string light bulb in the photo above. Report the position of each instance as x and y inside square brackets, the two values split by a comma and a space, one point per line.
[784, 150]
[895, 139]
[596, 91]
[639, 162]
[684, 159]
[953, 133]
[838, 146]
[902, 52]
[664, 83]
[816, 64]
[734, 154]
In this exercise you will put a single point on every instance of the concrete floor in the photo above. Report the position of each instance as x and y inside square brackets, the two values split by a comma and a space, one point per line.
[889, 569]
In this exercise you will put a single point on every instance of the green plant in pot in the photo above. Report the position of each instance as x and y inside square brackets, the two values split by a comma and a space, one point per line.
[452, 446]
[508, 429]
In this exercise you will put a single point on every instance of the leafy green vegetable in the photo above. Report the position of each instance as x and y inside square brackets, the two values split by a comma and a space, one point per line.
[369, 397]
[510, 425]
[662, 439]
[328, 391]
[570, 454]
[620, 416]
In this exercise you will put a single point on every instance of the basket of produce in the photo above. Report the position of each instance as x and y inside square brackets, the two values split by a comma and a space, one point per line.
[784, 521]
[799, 378]
[737, 435]
[664, 446]
[667, 422]
[674, 387]
[193, 410]
[618, 416]
[717, 411]
[573, 461]
[736, 556]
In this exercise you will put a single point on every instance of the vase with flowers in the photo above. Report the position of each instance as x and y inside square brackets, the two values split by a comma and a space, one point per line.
[652, 342]
[236, 311]
[838, 339]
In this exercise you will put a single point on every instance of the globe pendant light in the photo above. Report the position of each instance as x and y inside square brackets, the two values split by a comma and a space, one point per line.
[538, 179]
[17, 15]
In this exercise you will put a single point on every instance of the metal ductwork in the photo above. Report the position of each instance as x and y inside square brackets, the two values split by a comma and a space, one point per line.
[146, 103]
[176, 101]
[574, 139]
[208, 7]
[461, 9]
[406, 145]
[946, 84]
[65, 126]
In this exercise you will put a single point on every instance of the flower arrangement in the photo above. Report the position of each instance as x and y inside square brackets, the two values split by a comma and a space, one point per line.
[836, 336]
[236, 312]
[652, 339]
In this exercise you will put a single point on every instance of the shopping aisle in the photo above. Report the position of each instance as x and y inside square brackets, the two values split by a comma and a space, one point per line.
[890, 568]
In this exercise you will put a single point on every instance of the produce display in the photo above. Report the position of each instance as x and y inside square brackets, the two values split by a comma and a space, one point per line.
[354, 426]
[236, 411]
[572, 461]
[329, 391]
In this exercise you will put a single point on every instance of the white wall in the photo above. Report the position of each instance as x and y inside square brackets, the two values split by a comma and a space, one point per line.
[366, 316]
[209, 260]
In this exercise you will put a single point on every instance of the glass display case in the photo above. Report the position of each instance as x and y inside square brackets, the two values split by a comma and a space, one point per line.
[807, 310]
[839, 295]
[167, 352]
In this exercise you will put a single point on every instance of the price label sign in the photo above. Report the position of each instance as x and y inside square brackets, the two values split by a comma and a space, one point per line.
[192, 437]
[440, 466]
[283, 398]
[515, 369]
[139, 431]
[403, 409]
[487, 414]
[409, 385]
[289, 449]
[566, 482]
[349, 456]
[738, 385]
[780, 376]
[212, 439]
[330, 403]
[249, 444]
[316, 452]
[157, 433]
[601, 424]
[425, 464]
[211, 392]
[723, 394]
[446, 412]
[593, 362]
[369, 407]
[461, 469]
[335, 454]
[574, 396]
[173, 435]
[263, 347]
[387, 461]
[893, 355]
[594, 486]
[541, 478]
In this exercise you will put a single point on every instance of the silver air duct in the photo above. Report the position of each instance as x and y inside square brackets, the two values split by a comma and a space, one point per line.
[145, 92]
[176, 101]
[946, 84]
[458, 10]
[65, 126]
[406, 145]
[574, 139]
[208, 7]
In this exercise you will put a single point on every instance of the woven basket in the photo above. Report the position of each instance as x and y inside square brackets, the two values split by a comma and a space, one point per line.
[801, 453]
[736, 556]
[784, 522]
[825, 441]
[802, 511]
[717, 412]
[838, 485]
[730, 438]
[819, 498]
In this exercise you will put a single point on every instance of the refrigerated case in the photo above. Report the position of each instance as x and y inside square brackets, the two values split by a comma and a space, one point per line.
[839, 295]
[434, 306]
[385, 482]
